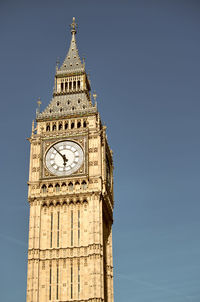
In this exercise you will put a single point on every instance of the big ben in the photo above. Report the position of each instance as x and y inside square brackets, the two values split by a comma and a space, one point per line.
[70, 193]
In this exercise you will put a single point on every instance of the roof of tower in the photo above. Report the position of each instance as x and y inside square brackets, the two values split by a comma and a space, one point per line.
[72, 62]
[72, 104]
[69, 103]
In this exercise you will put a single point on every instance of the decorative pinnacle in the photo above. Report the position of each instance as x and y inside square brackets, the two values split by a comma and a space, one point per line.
[73, 26]
[95, 96]
[57, 61]
[39, 102]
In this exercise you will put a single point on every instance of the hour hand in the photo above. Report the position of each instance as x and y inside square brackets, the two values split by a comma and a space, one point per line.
[65, 159]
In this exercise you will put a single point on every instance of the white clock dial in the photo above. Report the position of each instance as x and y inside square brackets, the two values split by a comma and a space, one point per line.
[64, 158]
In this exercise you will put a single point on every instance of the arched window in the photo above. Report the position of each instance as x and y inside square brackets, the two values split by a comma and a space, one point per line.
[79, 125]
[66, 85]
[57, 186]
[63, 184]
[70, 85]
[44, 189]
[84, 124]
[48, 128]
[54, 127]
[79, 84]
[50, 186]
[74, 85]
[72, 125]
[70, 186]
[60, 126]
[77, 185]
[61, 86]
[83, 185]
[66, 126]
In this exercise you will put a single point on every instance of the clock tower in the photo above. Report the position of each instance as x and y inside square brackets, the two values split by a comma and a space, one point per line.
[70, 194]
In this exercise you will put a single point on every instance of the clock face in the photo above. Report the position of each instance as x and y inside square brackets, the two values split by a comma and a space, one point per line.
[64, 158]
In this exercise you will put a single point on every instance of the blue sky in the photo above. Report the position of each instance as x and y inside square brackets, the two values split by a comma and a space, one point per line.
[143, 60]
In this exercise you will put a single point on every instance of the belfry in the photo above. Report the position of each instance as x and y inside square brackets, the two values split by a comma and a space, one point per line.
[70, 193]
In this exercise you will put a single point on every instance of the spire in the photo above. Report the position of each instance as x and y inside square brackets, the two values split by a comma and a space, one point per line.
[72, 62]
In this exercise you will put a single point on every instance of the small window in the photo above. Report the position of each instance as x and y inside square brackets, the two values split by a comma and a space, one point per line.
[79, 84]
[84, 124]
[61, 86]
[72, 125]
[66, 126]
[54, 127]
[68, 102]
[60, 126]
[48, 128]
[73, 108]
[57, 186]
[70, 85]
[58, 103]
[44, 189]
[70, 186]
[83, 185]
[66, 85]
[74, 85]
[83, 106]
[79, 125]
[79, 101]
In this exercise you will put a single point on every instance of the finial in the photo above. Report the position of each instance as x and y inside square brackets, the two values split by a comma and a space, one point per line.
[39, 103]
[57, 62]
[73, 26]
[95, 96]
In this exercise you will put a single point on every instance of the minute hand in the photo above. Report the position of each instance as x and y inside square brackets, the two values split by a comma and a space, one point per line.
[63, 156]
[58, 151]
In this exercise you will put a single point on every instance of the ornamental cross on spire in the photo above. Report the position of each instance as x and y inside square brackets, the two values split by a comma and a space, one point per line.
[73, 26]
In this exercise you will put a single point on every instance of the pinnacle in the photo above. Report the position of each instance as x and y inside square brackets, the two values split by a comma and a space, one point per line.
[72, 62]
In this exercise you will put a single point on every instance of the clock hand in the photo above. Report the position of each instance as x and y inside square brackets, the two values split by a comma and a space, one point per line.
[63, 156]
[65, 159]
